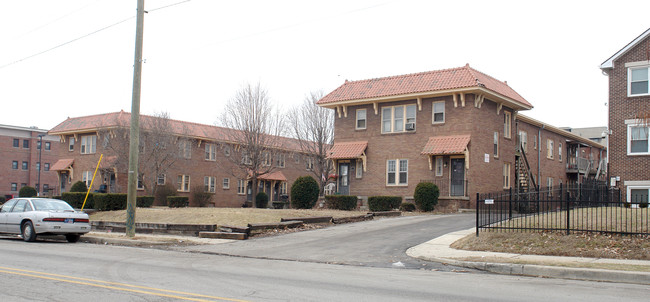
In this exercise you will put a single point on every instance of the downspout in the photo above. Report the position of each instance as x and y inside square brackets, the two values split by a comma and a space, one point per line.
[539, 158]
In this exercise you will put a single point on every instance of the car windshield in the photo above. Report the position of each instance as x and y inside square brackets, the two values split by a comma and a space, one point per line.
[51, 205]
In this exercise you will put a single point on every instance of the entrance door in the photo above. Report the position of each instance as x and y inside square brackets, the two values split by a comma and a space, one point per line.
[64, 180]
[344, 179]
[457, 177]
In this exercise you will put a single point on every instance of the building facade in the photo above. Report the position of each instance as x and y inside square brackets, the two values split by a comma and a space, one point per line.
[458, 128]
[20, 150]
[189, 157]
[629, 118]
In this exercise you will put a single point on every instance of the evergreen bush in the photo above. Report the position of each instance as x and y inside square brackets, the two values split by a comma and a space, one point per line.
[384, 203]
[426, 196]
[110, 201]
[79, 186]
[27, 191]
[341, 202]
[304, 193]
[261, 200]
[177, 201]
[144, 201]
[162, 192]
[3, 199]
[76, 199]
[407, 207]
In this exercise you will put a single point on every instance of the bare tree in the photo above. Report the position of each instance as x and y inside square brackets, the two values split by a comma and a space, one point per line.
[313, 126]
[254, 128]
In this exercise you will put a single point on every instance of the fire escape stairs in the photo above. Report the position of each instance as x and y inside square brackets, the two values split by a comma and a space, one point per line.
[525, 180]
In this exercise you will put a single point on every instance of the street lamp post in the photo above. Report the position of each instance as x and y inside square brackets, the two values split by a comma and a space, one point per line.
[40, 152]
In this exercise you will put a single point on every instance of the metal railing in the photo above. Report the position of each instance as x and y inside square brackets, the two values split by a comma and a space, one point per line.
[450, 188]
[590, 207]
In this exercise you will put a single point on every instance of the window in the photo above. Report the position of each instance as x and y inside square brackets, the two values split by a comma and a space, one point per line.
[241, 187]
[38, 166]
[397, 172]
[210, 152]
[16, 143]
[185, 149]
[309, 164]
[226, 183]
[559, 151]
[46, 167]
[280, 160]
[638, 81]
[245, 158]
[88, 144]
[25, 165]
[283, 188]
[71, 144]
[535, 142]
[38, 145]
[637, 195]
[183, 182]
[549, 184]
[26, 143]
[361, 119]
[46, 187]
[226, 150]
[296, 158]
[637, 139]
[14, 165]
[523, 140]
[22, 185]
[507, 124]
[160, 180]
[398, 119]
[438, 113]
[359, 169]
[209, 183]
[140, 181]
[14, 187]
[48, 146]
[506, 175]
[266, 159]
[549, 149]
[496, 144]
[86, 177]
[439, 165]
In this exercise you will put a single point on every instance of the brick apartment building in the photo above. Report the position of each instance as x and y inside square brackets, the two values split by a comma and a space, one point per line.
[629, 116]
[202, 159]
[20, 148]
[458, 128]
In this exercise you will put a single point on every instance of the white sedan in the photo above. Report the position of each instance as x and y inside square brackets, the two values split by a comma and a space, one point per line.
[42, 216]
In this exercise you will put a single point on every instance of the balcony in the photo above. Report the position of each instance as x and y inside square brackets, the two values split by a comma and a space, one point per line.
[582, 165]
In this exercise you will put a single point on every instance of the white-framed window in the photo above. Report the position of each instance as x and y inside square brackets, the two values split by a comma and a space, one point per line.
[559, 151]
[549, 183]
[14, 187]
[183, 183]
[38, 166]
[637, 139]
[226, 183]
[439, 165]
[185, 148]
[280, 160]
[637, 81]
[638, 195]
[87, 177]
[309, 164]
[438, 113]
[88, 144]
[25, 165]
[361, 119]
[535, 142]
[140, 185]
[46, 167]
[241, 187]
[48, 146]
[211, 152]
[549, 149]
[209, 184]
[226, 150]
[71, 144]
[246, 158]
[160, 180]
[398, 118]
[506, 175]
[296, 158]
[523, 140]
[496, 144]
[266, 159]
[283, 187]
[397, 172]
[359, 168]
[507, 124]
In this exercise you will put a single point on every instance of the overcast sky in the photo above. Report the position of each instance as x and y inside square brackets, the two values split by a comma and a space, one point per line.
[199, 53]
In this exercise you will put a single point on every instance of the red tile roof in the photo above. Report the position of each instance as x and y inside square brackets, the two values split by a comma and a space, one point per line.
[348, 150]
[277, 175]
[431, 81]
[182, 128]
[62, 164]
[441, 145]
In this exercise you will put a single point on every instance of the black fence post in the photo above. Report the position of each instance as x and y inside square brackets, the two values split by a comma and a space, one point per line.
[567, 214]
[477, 210]
[510, 204]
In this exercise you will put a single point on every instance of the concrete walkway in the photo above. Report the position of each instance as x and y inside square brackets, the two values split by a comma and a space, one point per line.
[439, 250]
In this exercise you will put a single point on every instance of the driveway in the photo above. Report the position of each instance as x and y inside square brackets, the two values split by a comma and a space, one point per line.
[376, 243]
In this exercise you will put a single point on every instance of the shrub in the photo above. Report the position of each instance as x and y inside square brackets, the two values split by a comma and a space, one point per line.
[162, 192]
[27, 191]
[201, 198]
[177, 201]
[110, 201]
[79, 186]
[407, 207]
[384, 203]
[144, 201]
[261, 200]
[3, 199]
[426, 196]
[76, 199]
[341, 202]
[304, 192]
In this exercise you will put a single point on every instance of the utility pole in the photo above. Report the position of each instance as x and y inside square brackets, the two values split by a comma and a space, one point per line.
[134, 141]
[40, 165]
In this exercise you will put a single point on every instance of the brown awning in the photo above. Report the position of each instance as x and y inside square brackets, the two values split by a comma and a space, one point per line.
[108, 162]
[62, 164]
[273, 176]
[444, 145]
[348, 150]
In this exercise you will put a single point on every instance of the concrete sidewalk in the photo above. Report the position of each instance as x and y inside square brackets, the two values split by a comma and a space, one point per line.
[439, 250]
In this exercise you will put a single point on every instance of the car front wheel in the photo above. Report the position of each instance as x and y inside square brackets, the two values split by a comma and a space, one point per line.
[72, 238]
[28, 232]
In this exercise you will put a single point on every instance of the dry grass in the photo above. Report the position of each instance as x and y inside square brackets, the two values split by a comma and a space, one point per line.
[219, 216]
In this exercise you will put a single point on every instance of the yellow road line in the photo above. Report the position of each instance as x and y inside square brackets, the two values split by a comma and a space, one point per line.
[118, 286]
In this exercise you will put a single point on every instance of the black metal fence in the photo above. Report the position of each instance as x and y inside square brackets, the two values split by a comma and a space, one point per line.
[589, 207]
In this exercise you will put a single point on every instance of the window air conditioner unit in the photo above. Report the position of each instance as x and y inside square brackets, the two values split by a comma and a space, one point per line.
[410, 126]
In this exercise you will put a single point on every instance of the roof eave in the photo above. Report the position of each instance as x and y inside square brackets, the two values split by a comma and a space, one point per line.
[609, 63]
